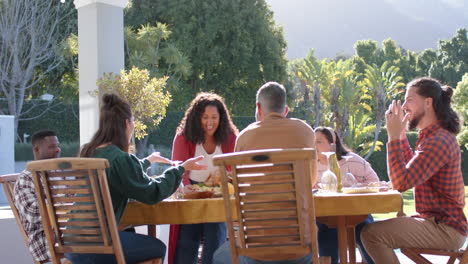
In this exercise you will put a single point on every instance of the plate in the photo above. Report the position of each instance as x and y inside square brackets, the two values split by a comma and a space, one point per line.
[361, 190]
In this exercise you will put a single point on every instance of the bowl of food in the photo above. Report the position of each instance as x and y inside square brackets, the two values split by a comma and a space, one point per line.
[198, 195]
[202, 191]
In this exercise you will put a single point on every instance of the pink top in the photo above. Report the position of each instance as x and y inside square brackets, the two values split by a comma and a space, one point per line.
[359, 167]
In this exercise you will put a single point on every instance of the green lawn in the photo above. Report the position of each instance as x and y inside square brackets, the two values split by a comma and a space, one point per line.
[409, 208]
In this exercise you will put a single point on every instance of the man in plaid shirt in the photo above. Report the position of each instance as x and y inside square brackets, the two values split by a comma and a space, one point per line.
[433, 170]
[45, 146]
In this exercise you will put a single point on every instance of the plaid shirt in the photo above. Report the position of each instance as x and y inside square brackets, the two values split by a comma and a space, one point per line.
[434, 170]
[26, 202]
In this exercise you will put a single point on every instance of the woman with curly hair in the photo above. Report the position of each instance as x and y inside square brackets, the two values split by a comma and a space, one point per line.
[207, 130]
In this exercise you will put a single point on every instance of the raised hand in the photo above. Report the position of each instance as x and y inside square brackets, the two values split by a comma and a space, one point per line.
[396, 121]
[192, 164]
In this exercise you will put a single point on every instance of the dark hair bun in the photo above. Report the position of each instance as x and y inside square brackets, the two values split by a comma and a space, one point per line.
[447, 93]
[110, 100]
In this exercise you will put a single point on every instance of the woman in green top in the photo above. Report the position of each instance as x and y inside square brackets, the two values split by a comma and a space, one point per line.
[127, 179]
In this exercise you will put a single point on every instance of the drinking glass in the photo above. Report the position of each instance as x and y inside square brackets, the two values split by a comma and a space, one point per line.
[328, 182]
[348, 178]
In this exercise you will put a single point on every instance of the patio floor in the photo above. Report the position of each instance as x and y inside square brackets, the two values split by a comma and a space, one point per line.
[5, 213]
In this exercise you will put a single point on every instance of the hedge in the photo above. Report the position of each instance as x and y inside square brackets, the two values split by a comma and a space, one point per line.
[64, 121]
[23, 151]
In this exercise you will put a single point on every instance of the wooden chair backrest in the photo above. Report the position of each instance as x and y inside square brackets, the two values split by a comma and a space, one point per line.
[76, 207]
[274, 203]
[8, 181]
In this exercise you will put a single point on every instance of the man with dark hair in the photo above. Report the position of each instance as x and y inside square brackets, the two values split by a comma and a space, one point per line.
[433, 170]
[272, 130]
[45, 145]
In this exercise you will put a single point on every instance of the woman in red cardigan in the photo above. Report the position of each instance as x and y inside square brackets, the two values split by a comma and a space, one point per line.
[206, 129]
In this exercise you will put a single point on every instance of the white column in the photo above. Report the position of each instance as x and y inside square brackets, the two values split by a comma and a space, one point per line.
[101, 50]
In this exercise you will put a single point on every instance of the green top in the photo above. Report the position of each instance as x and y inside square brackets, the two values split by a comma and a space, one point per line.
[127, 179]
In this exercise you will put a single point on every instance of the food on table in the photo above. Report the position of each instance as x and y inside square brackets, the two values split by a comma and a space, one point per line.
[214, 179]
[201, 191]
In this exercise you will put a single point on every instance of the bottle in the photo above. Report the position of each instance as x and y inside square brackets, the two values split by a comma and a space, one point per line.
[336, 169]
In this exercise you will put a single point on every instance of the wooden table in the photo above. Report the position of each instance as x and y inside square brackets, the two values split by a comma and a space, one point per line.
[335, 209]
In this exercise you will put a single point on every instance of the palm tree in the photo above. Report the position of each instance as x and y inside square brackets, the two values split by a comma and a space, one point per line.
[384, 84]
[314, 77]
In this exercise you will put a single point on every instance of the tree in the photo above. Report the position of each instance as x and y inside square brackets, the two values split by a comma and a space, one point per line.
[150, 47]
[367, 50]
[448, 63]
[234, 46]
[384, 84]
[329, 93]
[347, 96]
[367, 53]
[452, 59]
[147, 96]
[314, 76]
[62, 81]
[390, 51]
[460, 97]
[29, 39]
[425, 60]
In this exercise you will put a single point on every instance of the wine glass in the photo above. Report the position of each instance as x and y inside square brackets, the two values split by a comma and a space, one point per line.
[328, 182]
[348, 180]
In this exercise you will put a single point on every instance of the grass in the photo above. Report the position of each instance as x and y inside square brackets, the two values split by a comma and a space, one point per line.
[409, 208]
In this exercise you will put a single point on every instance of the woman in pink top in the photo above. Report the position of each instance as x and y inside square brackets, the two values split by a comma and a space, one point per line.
[362, 171]
[359, 167]
[206, 129]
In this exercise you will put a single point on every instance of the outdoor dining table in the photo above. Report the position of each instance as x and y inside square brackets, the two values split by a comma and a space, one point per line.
[343, 211]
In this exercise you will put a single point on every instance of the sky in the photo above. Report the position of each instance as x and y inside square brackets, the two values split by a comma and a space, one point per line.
[332, 27]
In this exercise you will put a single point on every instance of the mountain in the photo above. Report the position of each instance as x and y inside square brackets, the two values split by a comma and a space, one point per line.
[331, 27]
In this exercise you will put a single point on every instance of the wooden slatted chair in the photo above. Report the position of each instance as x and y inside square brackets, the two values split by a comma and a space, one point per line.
[8, 181]
[415, 254]
[76, 207]
[273, 202]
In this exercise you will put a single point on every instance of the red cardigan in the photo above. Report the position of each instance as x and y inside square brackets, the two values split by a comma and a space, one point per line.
[182, 150]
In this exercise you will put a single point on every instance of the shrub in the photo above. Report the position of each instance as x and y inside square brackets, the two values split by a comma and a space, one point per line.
[148, 97]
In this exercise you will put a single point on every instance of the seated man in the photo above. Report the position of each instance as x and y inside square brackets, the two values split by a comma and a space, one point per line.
[433, 170]
[45, 146]
[272, 130]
